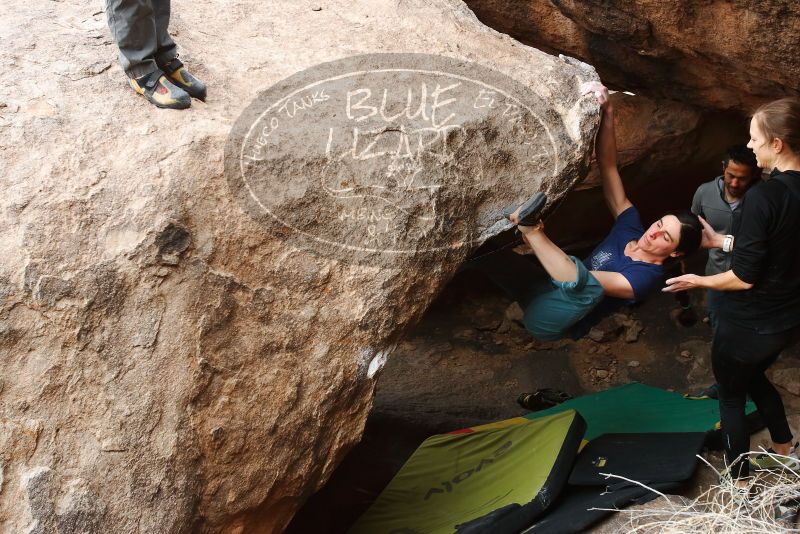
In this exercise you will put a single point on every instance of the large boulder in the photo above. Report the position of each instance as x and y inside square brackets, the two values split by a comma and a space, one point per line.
[723, 55]
[175, 354]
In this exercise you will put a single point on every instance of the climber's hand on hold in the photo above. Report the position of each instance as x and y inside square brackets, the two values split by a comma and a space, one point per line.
[600, 92]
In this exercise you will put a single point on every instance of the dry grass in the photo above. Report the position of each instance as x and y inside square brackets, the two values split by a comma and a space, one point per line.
[725, 509]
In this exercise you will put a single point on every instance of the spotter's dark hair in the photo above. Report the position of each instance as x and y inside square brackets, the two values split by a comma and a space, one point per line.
[741, 154]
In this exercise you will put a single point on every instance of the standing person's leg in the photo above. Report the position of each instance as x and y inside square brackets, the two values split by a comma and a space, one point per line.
[167, 54]
[739, 357]
[166, 49]
[713, 299]
[133, 26]
[732, 378]
[770, 406]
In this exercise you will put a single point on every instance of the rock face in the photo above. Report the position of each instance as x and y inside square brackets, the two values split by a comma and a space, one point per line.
[723, 55]
[787, 378]
[651, 136]
[170, 360]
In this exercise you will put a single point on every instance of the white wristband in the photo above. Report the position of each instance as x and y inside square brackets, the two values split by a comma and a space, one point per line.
[727, 243]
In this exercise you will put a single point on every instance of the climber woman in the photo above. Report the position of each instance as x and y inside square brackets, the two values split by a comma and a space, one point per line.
[624, 268]
[759, 311]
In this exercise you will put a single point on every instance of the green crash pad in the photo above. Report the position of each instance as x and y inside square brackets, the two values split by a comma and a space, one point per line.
[637, 408]
[459, 477]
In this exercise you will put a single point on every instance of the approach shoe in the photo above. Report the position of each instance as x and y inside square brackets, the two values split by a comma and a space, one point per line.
[180, 76]
[771, 461]
[161, 92]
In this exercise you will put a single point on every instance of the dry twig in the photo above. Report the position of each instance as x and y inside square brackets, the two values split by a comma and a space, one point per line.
[726, 509]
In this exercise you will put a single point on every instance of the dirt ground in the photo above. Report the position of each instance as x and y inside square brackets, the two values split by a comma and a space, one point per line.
[467, 361]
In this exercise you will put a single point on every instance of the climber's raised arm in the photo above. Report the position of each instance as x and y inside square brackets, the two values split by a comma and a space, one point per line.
[606, 153]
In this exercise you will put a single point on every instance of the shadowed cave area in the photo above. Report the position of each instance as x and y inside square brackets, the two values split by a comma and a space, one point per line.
[466, 361]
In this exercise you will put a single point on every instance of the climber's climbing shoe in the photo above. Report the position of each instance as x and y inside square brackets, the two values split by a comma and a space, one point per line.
[161, 92]
[180, 76]
[529, 211]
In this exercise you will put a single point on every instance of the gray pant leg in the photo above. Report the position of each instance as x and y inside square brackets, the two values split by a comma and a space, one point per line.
[167, 49]
[133, 27]
[140, 29]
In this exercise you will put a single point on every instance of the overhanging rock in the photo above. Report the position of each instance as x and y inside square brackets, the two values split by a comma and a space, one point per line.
[181, 351]
[675, 50]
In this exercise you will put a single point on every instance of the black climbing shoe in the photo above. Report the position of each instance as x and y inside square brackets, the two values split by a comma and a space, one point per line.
[161, 92]
[180, 76]
[542, 399]
[529, 211]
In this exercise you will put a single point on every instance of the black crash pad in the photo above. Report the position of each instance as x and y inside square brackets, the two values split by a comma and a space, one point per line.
[664, 457]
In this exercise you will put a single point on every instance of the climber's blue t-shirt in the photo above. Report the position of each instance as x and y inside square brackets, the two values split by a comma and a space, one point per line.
[610, 256]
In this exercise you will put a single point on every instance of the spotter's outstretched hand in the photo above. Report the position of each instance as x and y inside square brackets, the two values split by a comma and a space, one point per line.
[682, 283]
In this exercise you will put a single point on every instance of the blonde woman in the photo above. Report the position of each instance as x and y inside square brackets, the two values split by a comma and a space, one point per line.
[759, 312]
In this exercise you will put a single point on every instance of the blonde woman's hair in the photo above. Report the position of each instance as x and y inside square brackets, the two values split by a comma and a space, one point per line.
[781, 119]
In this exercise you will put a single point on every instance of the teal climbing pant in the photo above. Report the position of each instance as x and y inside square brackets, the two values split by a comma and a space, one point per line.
[550, 307]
